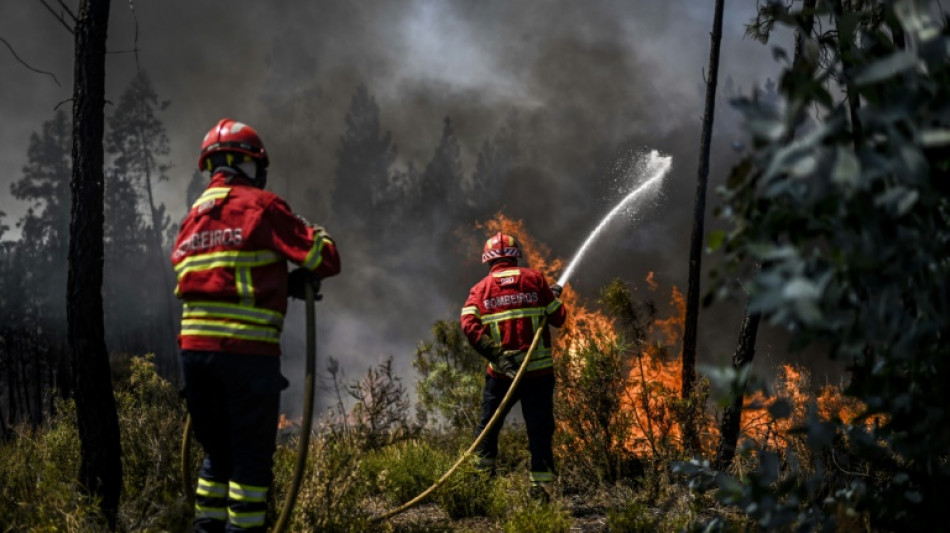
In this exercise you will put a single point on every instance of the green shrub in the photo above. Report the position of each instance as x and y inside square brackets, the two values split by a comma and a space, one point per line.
[631, 517]
[467, 493]
[38, 468]
[151, 418]
[452, 374]
[533, 517]
[331, 490]
[403, 470]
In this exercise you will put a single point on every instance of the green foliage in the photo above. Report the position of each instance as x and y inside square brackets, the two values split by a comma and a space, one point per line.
[595, 424]
[452, 376]
[851, 225]
[534, 517]
[632, 517]
[403, 470]
[39, 466]
[333, 485]
[151, 418]
[467, 493]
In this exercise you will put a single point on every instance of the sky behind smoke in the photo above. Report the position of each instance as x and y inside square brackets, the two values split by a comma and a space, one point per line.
[589, 80]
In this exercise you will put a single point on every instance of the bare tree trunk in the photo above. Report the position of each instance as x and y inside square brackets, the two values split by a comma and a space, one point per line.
[101, 468]
[731, 418]
[24, 384]
[168, 363]
[690, 430]
[11, 390]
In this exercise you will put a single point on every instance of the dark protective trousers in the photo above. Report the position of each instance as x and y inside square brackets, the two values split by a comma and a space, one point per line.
[536, 395]
[234, 402]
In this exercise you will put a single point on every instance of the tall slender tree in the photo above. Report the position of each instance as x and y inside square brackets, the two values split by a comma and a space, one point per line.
[138, 142]
[40, 300]
[440, 185]
[100, 466]
[364, 161]
[690, 430]
[495, 160]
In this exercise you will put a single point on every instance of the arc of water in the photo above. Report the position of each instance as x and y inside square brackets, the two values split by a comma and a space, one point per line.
[656, 167]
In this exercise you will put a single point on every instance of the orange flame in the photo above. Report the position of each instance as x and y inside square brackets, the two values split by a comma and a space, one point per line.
[285, 423]
[654, 370]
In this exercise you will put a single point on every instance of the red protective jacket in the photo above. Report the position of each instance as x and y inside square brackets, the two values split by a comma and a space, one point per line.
[231, 261]
[508, 304]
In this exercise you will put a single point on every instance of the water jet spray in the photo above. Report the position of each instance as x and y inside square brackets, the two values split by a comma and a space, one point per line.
[655, 167]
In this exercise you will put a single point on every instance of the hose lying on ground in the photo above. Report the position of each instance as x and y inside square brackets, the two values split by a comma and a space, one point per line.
[481, 436]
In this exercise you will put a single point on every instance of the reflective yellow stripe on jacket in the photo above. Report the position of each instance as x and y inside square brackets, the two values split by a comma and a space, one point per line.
[219, 328]
[227, 311]
[541, 358]
[233, 259]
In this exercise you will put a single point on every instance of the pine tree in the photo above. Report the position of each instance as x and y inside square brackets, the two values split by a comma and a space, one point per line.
[138, 142]
[364, 159]
[440, 187]
[498, 155]
[44, 229]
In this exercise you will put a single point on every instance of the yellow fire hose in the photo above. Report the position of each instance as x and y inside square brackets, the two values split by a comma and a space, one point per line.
[302, 444]
[481, 436]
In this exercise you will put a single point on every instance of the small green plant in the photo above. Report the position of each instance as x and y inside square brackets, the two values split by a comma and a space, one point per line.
[631, 517]
[402, 470]
[332, 486]
[467, 493]
[534, 517]
[38, 468]
[452, 374]
[151, 417]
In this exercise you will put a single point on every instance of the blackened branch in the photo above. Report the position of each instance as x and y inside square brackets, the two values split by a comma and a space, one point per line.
[27, 65]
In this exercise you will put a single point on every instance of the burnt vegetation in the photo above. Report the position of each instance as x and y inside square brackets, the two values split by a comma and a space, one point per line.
[835, 218]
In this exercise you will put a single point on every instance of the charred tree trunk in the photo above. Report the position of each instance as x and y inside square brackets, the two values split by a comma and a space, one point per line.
[11, 390]
[731, 418]
[690, 429]
[100, 469]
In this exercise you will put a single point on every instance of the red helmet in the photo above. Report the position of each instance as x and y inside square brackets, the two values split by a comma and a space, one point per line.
[232, 136]
[499, 246]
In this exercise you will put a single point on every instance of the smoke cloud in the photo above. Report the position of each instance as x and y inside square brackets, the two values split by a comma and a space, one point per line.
[588, 81]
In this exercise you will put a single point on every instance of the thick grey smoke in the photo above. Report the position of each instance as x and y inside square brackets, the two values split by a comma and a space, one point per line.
[589, 81]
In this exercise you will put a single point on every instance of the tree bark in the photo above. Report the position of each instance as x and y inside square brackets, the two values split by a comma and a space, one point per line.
[690, 430]
[731, 418]
[100, 469]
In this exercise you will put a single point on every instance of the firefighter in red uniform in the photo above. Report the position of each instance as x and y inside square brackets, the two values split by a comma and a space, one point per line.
[231, 261]
[500, 317]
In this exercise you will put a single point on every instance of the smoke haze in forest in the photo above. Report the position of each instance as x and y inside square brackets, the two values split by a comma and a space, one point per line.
[587, 82]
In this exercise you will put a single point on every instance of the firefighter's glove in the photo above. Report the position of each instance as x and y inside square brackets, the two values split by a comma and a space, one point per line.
[509, 362]
[321, 232]
[488, 348]
[556, 289]
[297, 282]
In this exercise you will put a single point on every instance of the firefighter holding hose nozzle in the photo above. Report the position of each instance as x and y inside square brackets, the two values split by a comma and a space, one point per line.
[500, 318]
[231, 258]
